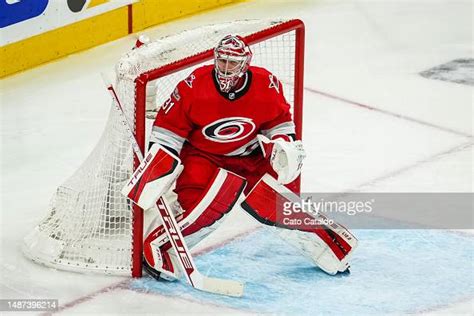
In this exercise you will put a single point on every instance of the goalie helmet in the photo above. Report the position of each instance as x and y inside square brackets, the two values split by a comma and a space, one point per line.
[232, 58]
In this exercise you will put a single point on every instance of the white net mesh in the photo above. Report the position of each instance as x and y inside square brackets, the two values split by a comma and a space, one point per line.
[89, 223]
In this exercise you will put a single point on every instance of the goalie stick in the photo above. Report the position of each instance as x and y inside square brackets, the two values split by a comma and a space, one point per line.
[186, 262]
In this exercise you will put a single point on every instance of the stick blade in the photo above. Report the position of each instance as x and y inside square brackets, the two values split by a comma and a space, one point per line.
[221, 286]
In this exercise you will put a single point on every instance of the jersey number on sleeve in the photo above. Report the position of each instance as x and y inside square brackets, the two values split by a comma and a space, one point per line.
[168, 105]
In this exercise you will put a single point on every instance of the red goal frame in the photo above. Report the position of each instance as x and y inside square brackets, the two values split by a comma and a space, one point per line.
[140, 101]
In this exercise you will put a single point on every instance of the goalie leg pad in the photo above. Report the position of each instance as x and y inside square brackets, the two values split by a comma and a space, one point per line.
[217, 201]
[330, 247]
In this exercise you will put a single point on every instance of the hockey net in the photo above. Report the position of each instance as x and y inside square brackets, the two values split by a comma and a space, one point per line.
[90, 226]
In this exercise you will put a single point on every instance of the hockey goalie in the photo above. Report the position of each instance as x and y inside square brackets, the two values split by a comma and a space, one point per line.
[225, 140]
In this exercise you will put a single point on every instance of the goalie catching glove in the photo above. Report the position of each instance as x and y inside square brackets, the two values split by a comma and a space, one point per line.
[286, 157]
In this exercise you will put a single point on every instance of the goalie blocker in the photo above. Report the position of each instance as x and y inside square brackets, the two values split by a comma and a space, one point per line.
[329, 247]
[153, 177]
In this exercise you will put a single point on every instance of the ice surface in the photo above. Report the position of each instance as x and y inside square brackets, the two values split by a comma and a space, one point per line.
[394, 271]
[459, 71]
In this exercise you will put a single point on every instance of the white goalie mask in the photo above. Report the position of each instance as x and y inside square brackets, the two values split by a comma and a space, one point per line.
[232, 58]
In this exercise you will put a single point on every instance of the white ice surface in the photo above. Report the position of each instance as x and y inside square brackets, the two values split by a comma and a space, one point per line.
[366, 51]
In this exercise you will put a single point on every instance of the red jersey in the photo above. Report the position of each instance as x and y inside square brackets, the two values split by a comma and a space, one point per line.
[223, 123]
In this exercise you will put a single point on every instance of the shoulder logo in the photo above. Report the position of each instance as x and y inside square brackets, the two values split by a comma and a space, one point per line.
[189, 80]
[229, 129]
[176, 94]
[274, 83]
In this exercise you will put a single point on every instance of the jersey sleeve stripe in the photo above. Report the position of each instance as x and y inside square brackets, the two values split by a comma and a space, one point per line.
[166, 138]
[286, 128]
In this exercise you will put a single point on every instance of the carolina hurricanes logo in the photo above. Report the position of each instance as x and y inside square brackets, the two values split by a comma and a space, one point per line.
[229, 129]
